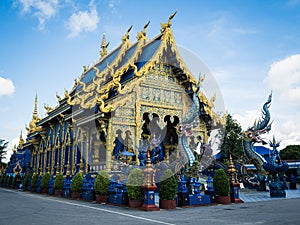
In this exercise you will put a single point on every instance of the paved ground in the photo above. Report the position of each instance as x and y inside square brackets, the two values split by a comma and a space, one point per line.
[255, 196]
[22, 208]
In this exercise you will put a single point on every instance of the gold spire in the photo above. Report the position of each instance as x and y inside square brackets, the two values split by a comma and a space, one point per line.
[21, 140]
[32, 125]
[104, 46]
[35, 106]
[232, 171]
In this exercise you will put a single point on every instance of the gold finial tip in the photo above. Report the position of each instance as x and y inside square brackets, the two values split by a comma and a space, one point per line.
[35, 105]
[104, 46]
[103, 42]
[147, 24]
[164, 26]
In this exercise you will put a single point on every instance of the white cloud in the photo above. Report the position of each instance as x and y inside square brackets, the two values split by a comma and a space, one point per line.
[248, 119]
[7, 87]
[42, 9]
[284, 78]
[83, 21]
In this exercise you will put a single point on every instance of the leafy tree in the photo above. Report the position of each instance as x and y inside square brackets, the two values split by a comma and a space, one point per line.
[3, 146]
[290, 152]
[232, 140]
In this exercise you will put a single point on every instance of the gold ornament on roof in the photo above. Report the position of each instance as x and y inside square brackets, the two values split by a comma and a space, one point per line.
[167, 25]
[104, 46]
[21, 141]
[58, 97]
[125, 38]
[142, 35]
[211, 103]
[32, 124]
[47, 108]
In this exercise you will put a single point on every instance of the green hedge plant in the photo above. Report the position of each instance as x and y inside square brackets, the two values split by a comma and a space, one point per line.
[101, 184]
[45, 180]
[59, 182]
[34, 180]
[168, 186]
[221, 183]
[25, 180]
[134, 184]
[77, 182]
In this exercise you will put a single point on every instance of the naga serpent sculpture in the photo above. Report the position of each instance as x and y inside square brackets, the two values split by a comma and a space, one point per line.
[273, 166]
[253, 135]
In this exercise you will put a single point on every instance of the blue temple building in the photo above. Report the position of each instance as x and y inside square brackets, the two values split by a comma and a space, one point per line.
[131, 100]
[20, 160]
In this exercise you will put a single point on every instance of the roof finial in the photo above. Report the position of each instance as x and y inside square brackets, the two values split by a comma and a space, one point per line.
[164, 26]
[35, 119]
[104, 46]
[58, 97]
[35, 105]
[21, 141]
[142, 35]
[125, 38]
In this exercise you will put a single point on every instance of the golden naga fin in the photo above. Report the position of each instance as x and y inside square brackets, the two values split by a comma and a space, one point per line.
[164, 26]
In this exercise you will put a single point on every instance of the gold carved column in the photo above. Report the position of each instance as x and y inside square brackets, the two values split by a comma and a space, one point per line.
[109, 145]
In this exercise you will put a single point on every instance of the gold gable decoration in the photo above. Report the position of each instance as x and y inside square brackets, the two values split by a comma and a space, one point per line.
[96, 92]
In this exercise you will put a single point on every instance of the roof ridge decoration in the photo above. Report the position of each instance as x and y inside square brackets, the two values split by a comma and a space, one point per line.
[142, 34]
[21, 141]
[99, 78]
[167, 36]
[142, 40]
[103, 46]
[101, 92]
[32, 124]
[167, 39]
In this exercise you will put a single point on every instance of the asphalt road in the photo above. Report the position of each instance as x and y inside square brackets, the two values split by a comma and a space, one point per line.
[24, 208]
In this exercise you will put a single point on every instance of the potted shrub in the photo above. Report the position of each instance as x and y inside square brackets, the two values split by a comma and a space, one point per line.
[58, 184]
[44, 182]
[25, 181]
[76, 186]
[101, 186]
[34, 180]
[167, 190]
[222, 187]
[134, 188]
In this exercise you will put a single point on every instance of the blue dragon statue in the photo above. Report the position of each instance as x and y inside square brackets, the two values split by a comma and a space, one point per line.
[253, 135]
[274, 166]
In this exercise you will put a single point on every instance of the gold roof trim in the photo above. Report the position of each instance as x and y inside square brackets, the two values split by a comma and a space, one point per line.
[88, 90]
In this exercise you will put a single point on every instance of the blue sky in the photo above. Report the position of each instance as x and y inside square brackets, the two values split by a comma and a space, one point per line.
[251, 47]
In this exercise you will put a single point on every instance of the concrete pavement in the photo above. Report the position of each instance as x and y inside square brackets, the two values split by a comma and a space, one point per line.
[22, 208]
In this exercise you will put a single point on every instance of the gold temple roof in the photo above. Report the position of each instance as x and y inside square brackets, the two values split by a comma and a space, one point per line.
[125, 62]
